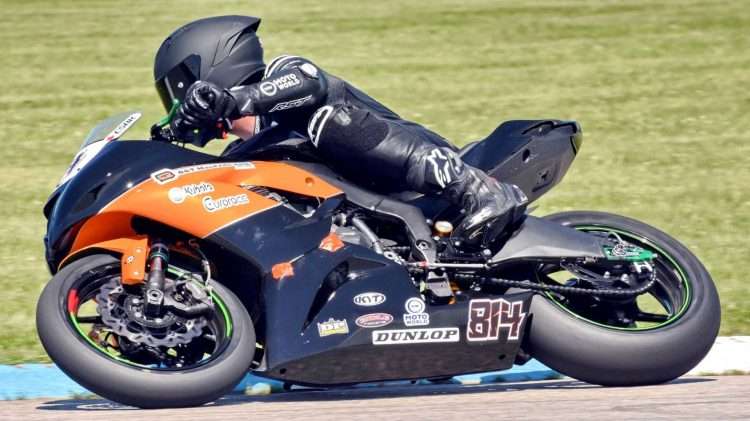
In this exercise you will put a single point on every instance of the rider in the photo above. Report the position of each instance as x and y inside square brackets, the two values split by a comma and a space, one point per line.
[215, 68]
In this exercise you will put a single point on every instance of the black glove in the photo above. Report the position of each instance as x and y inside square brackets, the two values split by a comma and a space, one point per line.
[204, 106]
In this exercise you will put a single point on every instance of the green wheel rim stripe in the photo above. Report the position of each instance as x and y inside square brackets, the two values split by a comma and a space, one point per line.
[99, 347]
[224, 312]
[683, 278]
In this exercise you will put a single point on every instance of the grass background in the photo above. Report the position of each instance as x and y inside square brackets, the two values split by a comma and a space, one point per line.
[660, 88]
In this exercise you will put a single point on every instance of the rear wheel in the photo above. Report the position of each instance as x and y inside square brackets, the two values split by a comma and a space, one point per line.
[652, 338]
[91, 326]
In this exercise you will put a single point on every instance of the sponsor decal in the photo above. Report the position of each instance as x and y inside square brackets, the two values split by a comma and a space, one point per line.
[88, 152]
[271, 86]
[176, 195]
[369, 299]
[333, 327]
[167, 175]
[243, 165]
[212, 205]
[122, 127]
[179, 194]
[374, 320]
[164, 176]
[290, 104]
[487, 317]
[83, 157]
[268, 88]
[415, 313]
[415, 336]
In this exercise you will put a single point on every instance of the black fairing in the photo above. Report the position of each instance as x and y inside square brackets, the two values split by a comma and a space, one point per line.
[119, 166]
[323, 288]
[276, 235]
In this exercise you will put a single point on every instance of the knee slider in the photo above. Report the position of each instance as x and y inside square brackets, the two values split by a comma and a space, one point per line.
[347, 128]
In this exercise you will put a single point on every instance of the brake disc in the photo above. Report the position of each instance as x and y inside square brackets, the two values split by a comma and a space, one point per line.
[116, 309]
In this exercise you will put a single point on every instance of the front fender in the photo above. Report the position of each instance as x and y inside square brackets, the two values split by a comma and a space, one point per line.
[133, 252]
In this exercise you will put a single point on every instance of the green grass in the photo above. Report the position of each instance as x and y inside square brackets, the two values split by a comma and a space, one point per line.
[660, 89]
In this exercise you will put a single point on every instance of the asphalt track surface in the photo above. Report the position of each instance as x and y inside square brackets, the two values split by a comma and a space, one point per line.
[700, 398]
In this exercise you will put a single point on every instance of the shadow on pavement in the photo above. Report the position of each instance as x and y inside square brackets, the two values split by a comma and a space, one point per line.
[354, 393]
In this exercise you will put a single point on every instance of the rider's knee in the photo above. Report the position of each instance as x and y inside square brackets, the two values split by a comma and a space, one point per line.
[346, 128]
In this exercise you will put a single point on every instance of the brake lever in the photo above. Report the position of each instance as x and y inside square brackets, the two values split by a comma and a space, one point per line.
[162, 131]
[162, 134]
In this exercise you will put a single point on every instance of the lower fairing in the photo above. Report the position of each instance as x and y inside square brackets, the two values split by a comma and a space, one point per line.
[324, 344]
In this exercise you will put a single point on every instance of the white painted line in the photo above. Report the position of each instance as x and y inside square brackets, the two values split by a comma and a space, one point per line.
[729, 353]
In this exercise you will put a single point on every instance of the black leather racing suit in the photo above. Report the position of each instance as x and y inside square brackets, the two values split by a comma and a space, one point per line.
[369, 143]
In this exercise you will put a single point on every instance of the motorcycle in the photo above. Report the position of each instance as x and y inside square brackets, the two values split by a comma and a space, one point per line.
[176, 272]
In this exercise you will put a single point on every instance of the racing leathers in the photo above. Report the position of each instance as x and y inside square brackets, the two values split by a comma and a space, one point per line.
[362, 139]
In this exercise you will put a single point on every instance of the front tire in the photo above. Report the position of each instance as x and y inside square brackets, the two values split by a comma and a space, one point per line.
[116, 380]
[612, 356]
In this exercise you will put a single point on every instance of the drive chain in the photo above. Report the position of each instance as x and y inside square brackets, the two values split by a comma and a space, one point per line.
[562, 289]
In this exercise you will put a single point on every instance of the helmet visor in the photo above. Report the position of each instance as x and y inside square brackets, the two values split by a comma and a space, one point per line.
[175, 83]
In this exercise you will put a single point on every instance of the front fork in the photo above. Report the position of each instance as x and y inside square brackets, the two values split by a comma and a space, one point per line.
[158, 261]
[157, 302]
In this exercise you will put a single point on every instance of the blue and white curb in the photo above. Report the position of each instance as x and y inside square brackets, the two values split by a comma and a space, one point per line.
[26, 381]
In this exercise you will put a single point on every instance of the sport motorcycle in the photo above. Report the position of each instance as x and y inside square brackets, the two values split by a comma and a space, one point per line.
[176, 272]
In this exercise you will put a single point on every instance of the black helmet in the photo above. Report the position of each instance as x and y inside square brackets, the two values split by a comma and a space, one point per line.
[224, 50]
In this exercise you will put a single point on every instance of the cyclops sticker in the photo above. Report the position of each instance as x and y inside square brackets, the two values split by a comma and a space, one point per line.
[212, 205]
[415, 336]
[487, 317]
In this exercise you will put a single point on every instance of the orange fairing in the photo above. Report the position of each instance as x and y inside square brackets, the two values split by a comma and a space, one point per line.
[331, 243]
[200, 199]
[134, 252]
[282, 270]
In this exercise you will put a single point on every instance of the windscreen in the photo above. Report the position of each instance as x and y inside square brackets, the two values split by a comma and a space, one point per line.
[107, 131]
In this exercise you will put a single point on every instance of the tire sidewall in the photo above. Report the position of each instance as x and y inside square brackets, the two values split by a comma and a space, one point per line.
[605, 356]
[131, 385]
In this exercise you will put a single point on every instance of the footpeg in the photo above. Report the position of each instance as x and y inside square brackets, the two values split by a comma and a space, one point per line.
[438, 287]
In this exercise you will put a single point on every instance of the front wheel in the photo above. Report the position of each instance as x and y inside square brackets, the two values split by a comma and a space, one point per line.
[651, 339]
[94, 329]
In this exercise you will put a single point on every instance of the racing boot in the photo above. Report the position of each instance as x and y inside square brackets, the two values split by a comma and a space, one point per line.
[489, 206]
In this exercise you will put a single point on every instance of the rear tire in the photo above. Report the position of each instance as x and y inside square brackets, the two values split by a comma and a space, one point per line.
[131, 385]
[596, 354]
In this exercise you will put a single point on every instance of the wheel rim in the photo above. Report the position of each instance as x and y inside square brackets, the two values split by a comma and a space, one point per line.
[84, 290]
[672, 289]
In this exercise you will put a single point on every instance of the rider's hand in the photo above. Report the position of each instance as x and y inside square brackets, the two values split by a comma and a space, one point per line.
[205, 104]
